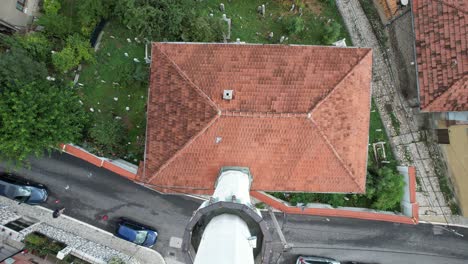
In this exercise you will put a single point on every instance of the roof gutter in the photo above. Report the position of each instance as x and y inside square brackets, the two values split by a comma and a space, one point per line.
[415, 54]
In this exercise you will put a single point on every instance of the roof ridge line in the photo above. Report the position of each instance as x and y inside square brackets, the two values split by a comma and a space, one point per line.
[442, 94]
[189, 142]
[341, 80]
[336, 153]
[182, 73]
[228, 113]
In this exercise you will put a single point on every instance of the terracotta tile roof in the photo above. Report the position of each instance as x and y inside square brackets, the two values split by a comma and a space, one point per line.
[299, 118]
[441, 28]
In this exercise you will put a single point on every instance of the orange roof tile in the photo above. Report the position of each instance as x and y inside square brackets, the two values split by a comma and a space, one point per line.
[441, 29]
[299, 118]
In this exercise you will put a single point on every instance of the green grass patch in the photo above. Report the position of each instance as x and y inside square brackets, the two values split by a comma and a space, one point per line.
[377, 133]
[99, 86]
[252, 27]
[395, 122]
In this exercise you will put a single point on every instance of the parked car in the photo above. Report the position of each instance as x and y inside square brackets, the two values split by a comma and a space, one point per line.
[315, 260]
[22, 190]
[137, 233]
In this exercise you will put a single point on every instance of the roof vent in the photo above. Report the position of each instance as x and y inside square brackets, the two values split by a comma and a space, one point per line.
[227, 94]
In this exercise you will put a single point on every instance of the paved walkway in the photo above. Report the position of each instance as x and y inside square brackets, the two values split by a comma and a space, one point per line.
[410, 144]
[87, 241]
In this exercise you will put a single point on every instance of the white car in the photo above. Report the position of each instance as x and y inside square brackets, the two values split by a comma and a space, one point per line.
[315, 260]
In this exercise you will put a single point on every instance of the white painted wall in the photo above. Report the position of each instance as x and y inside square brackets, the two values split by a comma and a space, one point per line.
[225, 241]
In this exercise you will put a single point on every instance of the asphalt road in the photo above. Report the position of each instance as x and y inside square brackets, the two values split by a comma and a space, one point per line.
[88, 192]
[365, 241]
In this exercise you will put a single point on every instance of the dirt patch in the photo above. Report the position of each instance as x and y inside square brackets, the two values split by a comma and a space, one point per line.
[127, 122]
[314, 6]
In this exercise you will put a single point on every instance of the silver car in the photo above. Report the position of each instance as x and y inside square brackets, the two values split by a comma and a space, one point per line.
[315, 260]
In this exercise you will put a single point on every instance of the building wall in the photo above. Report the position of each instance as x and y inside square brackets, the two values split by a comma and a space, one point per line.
[13, 16]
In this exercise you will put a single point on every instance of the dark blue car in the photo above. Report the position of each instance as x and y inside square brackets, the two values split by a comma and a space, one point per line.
[137, 233]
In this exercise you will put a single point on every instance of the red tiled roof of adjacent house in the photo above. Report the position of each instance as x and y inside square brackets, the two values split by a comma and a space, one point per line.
[441, 28]
[299, 117]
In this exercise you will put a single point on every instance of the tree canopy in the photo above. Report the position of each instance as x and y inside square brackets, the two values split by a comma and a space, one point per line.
[37, 116]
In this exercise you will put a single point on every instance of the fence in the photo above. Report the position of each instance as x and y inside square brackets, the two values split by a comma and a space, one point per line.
[120, 167]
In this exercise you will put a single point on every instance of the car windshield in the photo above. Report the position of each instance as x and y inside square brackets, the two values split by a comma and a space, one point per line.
[140, 237]
[23, 191]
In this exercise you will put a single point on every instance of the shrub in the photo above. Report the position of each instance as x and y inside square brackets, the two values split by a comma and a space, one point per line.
[108, 135]
[116, 260]
[386, 188]
[51, 6]
[57, 26]
[76, 50]
[295, 25]
[36, 44]
[65, 59]
[42, 245]
[202, 29]
[89, 12]
[331, 32]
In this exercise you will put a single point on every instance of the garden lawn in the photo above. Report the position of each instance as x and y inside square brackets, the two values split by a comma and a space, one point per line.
[99, 88]
[249, 26]
[377, 134]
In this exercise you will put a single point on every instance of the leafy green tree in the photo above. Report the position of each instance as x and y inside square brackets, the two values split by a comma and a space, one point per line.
[18, 64]
[295, 25]
[35, 44]
[37, 116]
[57, 25]
[108, 135]
[65, 59]
[157, 19]
[387, 187]
[51, 6]
[77, 49]
[332, 31]
[89, 12]
[202, 29]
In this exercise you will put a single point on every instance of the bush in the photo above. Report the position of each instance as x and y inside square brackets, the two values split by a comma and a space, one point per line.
[51, 6]
[295, 25]
[116, 260]
[65, 59]
[202, 29]
[36, 44]
[331, 32]
[17, 64]
[57, 26]
[108, 135]
[89, 13]
[42, 245]
[384, 191]
[76, 50]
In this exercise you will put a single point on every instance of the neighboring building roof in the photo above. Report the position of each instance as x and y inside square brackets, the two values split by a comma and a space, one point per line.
[299, 117]
[390, 7]
[441, 28]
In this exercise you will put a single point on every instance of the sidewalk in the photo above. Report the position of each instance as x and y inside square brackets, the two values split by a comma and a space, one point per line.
[83, 239]
[409, 143]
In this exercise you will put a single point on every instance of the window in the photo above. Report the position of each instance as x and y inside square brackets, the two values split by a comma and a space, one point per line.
[21, 5]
